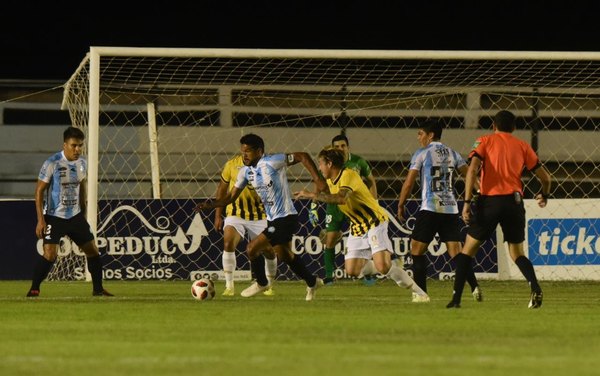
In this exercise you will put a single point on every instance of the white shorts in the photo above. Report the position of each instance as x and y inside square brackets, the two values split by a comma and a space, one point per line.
[243, 226]
[375, 240]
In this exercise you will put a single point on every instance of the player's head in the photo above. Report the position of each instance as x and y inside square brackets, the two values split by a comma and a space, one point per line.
[505, 121]
[429, 130]
[252, 148]
[73, 143]
[330, 160]
[340, 142]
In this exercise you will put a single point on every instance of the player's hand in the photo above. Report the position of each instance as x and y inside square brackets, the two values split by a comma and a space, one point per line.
[466, 212]
[313, 214]
[218, 222]
[542, 200]
[303, 194]
[203, 206]
[400, 214]
[40, 229]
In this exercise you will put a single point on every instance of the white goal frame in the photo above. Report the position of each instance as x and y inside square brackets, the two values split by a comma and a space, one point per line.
[96, 53]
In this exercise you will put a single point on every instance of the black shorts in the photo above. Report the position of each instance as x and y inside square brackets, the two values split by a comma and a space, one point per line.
[493, 210]
[428, 223]
[281, 230]
[77, 228]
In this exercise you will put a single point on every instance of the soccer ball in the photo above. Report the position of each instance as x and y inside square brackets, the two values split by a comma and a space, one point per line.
[203, 289]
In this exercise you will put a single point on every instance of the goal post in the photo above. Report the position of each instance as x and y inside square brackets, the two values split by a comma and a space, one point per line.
[161, 122]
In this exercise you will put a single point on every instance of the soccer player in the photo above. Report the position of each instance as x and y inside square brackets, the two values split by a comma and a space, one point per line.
[267, 175]
[436, 165]
[501, 158]
[335, 219]
[246, 215]
[369, 222]
[60, 198]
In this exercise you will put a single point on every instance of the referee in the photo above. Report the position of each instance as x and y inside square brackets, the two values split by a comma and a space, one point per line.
[499, 160]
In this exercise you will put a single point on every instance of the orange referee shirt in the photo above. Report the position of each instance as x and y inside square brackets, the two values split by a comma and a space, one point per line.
[503, 158]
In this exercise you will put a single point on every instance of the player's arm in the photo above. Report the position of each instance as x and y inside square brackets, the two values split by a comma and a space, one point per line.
[406, 190]
[371, 184]
[545, 179]
[462, 170]
[230, 197]
[40, 189]
[221, 193]
[470, 182]
[311, 167]
[338, 198]
[83, 196]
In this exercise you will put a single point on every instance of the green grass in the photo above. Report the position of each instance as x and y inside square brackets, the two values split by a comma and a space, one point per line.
[156, 328]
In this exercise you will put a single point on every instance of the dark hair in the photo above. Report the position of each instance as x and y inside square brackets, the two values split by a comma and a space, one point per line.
[432, 126]
[254, 141]
[73, 132]
[335, 156]
[505, 121]
[340, 137]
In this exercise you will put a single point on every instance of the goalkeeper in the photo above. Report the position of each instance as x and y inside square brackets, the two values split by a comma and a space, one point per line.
[335, 220]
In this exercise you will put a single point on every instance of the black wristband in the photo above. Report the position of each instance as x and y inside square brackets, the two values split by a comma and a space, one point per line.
[544, 196]
[467, 201]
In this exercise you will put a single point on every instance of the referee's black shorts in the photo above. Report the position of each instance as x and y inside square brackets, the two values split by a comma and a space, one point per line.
[427, 223]
[489, 211]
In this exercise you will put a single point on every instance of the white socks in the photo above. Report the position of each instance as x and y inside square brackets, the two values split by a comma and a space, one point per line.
[401, 277]
[271, 269]
[229, 266]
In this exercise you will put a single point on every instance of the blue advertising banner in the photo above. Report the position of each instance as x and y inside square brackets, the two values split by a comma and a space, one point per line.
[564, 241]
[166, 239]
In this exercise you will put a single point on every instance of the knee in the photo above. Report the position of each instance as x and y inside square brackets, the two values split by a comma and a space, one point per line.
[383, 266]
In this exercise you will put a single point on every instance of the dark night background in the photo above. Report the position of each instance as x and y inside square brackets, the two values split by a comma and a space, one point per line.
[47, 40]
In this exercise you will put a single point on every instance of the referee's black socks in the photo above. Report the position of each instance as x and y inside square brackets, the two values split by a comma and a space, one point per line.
[526, 268]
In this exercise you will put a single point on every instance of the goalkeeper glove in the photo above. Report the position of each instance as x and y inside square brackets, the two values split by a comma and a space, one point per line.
[313, 215]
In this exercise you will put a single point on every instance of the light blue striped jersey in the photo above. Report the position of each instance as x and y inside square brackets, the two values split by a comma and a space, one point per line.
[64, 177]
[270, 182]
[436, 164]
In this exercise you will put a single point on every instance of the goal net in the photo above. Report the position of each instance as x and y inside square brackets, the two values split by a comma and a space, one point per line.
[161, 123]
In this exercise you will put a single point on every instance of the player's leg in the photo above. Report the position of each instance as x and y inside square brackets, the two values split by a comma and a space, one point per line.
[231, 239]
[420, 263]
[257, 265]
[454, 248]
[42, 267]
[79, 232]
[513, 229]
[94, 265]
[380, 245]
[526, 268]
[333, 223]
[270, 269]
[426, 225]
[463, 262]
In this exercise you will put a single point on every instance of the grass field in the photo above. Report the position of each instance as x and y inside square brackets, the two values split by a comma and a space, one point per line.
[156, 328]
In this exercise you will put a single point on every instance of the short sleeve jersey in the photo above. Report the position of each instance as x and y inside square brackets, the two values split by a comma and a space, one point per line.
[269, 179]
[503, 157]
[62, 197]
[361, 207]
[437, 164]
[248, 205]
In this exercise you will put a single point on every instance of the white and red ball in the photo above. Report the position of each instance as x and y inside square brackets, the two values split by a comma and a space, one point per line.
[203, 289]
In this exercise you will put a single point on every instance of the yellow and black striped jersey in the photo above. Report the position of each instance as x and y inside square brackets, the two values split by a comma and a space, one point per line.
[248, 205]
[361, 207]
